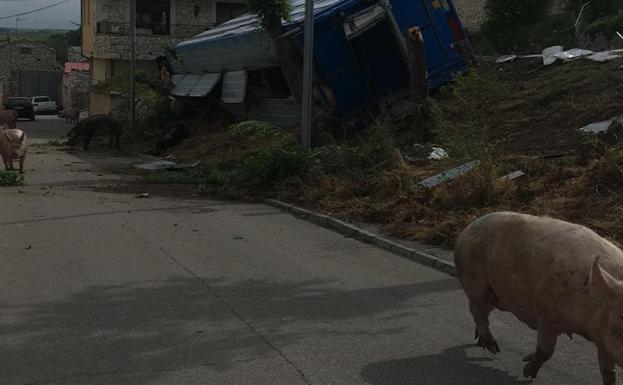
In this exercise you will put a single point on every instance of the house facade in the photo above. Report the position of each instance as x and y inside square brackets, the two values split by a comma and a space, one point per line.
[160, 25]
[18, 57]
[76, 78]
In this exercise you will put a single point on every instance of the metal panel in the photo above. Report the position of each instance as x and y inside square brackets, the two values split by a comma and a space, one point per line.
[234, 87]
[184, 87]
[363, 21]
[41, 83]
[177, 78]
[205, 85]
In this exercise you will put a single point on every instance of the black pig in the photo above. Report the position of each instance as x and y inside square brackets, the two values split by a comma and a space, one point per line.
[96, 125]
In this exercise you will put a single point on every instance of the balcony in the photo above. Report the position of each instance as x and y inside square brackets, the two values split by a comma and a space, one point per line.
[177, 31]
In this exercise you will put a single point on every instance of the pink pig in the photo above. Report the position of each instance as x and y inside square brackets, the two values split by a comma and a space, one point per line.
[557, 277]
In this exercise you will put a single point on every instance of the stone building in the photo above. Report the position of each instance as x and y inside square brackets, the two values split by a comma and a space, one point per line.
[17, 56]
[76, 78]
[160, 24]
[74, 55]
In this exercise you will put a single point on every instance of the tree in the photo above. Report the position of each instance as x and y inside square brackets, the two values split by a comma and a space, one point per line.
[271, 13]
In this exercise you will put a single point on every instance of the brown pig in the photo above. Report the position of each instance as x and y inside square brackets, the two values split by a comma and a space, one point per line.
[8, 117]
[557, 277]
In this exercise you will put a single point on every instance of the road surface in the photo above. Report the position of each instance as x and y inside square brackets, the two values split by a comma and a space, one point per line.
[100, 288]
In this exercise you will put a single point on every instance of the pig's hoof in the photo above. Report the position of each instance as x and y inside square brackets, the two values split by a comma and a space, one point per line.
[532, 368]
[487, 342]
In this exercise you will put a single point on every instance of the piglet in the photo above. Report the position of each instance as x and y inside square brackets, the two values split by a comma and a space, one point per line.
[556, 277]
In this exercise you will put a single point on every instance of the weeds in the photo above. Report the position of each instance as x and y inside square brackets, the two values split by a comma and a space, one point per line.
[255, 129]
[274, 164]
[11, 179]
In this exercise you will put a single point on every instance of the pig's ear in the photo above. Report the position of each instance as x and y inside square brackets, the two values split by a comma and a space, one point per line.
[603, 284]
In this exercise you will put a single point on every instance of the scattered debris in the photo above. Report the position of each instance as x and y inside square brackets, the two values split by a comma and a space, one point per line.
[548, 54]
[513, 176]
[166, 165]
[143, 195]
[552, 54]
[573, 54]
[506, 59]
[438, 154]
[601, 127]
[448, 175]
[602, 57]
[156, 165]
[619, 34]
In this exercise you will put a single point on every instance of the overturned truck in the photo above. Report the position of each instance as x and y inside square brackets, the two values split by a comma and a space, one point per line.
[359, 60]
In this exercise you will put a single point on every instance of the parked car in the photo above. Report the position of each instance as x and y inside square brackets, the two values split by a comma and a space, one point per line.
[23, 107]
[43, 104]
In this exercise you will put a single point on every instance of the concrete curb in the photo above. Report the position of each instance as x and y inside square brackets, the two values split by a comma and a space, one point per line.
[365, 236]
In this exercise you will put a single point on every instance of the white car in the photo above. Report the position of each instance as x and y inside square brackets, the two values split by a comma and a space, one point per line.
[43, 104]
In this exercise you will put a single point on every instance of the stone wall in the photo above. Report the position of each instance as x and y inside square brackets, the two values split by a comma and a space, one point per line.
[185, 12]
[473, 14]
[76, 90]
[118, 47]
[23, 55]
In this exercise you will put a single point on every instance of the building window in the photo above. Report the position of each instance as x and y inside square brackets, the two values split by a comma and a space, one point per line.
[228, 11]
[25, 50]
[154, 16]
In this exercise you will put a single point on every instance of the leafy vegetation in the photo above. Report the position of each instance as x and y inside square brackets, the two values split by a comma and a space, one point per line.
[527, 26]
[10, 179]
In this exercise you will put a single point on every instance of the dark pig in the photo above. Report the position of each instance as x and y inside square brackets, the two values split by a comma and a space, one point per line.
[96, 125]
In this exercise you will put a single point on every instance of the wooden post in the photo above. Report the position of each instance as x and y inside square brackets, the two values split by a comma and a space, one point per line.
[418, 75]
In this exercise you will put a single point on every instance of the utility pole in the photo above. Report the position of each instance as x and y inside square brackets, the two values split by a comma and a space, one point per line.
[308, 74]
[17, 20]
[133, 64]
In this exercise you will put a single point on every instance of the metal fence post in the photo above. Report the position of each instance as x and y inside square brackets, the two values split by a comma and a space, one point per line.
[133, 64]
[308, 72]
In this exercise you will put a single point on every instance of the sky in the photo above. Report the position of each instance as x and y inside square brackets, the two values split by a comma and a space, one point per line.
[54, 18]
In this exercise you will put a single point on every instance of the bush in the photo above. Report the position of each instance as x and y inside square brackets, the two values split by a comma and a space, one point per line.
[273, 165]
[11, 178]
[256, 129]
[505, 18]
[606, 26]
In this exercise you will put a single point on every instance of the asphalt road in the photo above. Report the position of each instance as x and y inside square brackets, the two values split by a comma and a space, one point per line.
[100, 288]
[46, 127]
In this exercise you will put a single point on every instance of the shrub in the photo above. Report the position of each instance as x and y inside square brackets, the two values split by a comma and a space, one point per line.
[274, 164]
[505, 18]
[11, 178]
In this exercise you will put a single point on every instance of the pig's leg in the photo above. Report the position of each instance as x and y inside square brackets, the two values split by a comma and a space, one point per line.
[606, 366]
[481, 302]
[546, 344]
[21, 164]
[87, 141]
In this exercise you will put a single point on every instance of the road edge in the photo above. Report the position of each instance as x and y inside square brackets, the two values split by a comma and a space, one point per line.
[355, 232]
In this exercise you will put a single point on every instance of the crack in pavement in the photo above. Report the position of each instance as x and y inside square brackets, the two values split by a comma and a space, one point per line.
[223, 302]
